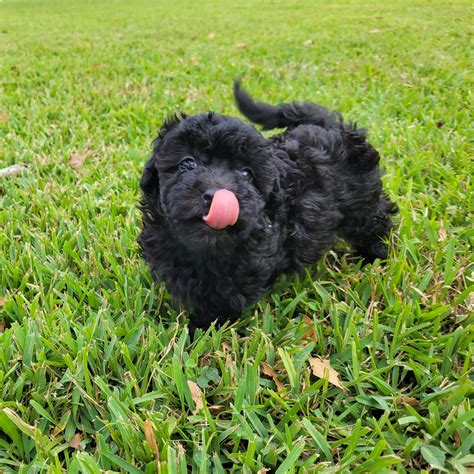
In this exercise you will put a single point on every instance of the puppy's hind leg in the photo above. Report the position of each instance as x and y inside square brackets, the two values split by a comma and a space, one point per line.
[367, 231]
[367, 211]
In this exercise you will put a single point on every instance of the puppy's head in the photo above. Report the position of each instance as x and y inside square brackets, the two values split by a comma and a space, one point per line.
[209, 179]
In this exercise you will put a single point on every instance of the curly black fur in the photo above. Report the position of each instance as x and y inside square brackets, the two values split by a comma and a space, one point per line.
[303, 189]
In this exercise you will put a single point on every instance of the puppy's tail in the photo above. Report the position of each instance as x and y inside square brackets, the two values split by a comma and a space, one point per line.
[284, 115]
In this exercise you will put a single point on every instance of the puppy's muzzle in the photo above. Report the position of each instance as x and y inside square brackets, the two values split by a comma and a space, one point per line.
[224, 208]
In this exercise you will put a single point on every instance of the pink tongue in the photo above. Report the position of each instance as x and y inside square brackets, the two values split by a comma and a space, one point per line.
[224, 210]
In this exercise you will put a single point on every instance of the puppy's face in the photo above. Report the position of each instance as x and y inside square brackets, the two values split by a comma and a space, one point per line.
[210, 178]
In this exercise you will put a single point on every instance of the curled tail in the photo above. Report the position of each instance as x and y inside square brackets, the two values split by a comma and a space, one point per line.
[284, 115]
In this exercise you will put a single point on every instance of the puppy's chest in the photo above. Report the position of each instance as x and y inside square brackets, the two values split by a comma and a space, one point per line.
[215, 272]
[236, 277]
[242, 273]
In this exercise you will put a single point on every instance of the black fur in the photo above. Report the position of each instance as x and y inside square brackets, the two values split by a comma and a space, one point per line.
[310, 185]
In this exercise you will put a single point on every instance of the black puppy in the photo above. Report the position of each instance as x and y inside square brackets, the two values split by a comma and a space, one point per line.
[225, 211]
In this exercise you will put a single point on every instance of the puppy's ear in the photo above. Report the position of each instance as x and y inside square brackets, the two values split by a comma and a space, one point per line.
[165, 128]
[149, 182]
[276, 199]
[150, 203]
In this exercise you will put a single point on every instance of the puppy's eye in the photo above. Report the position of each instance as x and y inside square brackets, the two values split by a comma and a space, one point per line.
[246, 173]
[187, 164]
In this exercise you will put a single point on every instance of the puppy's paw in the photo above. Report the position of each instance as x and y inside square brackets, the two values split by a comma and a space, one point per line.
[373, 250]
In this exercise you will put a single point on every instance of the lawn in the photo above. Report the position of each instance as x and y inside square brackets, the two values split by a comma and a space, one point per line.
[97, 370]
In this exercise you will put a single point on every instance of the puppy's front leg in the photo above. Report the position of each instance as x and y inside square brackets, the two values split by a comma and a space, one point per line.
[201, 320]
[198, 320]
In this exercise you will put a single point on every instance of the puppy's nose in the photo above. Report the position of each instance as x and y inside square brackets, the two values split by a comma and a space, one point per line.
[208, 195]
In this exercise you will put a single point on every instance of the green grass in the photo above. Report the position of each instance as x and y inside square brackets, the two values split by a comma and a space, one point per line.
[92, 356]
